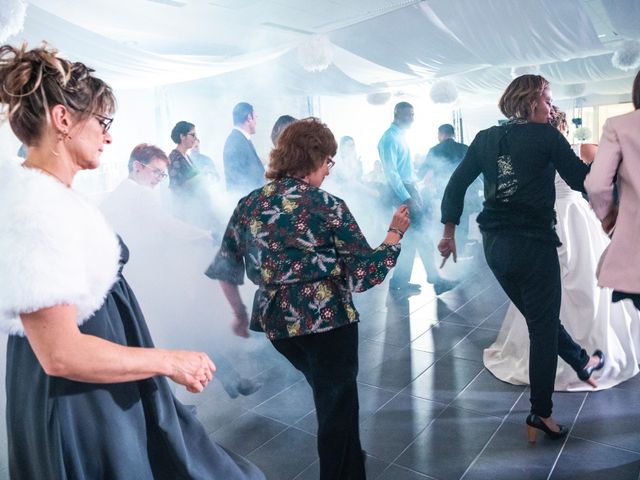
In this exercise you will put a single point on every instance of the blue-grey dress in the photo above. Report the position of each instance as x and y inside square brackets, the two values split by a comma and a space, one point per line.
[61, 429]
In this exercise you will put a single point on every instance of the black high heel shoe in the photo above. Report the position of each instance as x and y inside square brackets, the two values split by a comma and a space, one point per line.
[585, 373]
[535, 423]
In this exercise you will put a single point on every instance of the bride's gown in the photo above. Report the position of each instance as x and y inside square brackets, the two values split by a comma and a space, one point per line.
[586, 312]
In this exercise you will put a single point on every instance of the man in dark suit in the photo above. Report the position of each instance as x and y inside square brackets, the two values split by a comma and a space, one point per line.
[243, 170]
[436, 170]
[443, 159]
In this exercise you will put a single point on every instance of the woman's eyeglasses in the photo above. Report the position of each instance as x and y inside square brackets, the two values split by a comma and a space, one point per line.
[105, 122]
[330, 163]
[156, 172]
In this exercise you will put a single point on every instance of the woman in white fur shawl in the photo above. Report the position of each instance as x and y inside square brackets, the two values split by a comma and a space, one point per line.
[87, 395]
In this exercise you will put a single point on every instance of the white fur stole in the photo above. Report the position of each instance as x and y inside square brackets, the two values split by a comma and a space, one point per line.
[55, 247]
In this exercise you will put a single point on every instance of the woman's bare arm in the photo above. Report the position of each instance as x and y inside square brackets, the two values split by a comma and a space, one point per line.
[64, 351]
[240, 324]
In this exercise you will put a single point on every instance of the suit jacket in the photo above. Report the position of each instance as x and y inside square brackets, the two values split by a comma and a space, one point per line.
[446, 155]
[619, 156]
[243, 170]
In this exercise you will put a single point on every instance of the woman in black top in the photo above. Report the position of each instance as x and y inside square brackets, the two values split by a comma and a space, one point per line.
[181, 167]
[518, 161]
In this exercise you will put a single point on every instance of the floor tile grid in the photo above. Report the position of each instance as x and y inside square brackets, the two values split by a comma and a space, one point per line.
[564, 441]
[393, 468]
[502, 419]
[450, 404]
[471, 328]
[591, 440]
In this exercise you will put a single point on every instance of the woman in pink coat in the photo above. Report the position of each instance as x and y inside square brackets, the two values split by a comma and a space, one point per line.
[618, 163]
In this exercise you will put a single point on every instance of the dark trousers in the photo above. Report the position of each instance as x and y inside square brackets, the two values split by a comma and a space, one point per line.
[329, 362]
[529, 272]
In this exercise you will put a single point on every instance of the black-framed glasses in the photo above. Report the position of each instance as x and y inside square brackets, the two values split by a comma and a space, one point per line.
[195, 137]
[330, 163]
[156, 172]
[105, 122]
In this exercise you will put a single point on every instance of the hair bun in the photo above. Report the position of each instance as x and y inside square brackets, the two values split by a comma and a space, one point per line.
[33, 81]
[22, 70]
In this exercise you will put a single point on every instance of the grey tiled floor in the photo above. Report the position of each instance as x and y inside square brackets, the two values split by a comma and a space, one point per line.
[429, 408]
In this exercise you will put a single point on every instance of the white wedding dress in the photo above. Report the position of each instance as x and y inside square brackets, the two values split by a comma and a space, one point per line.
[586, 311]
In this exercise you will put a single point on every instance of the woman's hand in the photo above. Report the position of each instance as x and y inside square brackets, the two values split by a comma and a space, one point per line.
[400, 219]
[609, 222]
[446, 247]
[447, 244]
[399, 225]
[194, 370]
[240, 325]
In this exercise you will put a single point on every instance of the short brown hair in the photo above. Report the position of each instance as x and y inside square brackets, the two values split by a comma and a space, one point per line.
[635, 91]
[144, 153]
[302, 148]
[559, 119]
[34, 81]
[520, 94]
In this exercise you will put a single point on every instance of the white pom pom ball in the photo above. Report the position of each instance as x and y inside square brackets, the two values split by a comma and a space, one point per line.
[378, 98]
[444, 91]
[316, 54]
[627, 56]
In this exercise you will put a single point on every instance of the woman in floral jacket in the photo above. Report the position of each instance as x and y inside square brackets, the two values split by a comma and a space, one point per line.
[305, 251]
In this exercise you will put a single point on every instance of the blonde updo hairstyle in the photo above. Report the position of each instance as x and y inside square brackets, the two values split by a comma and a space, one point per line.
[301, 149]
[34, 81]
[518, 98]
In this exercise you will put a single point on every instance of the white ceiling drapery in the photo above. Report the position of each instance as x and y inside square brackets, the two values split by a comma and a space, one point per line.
[392, 45]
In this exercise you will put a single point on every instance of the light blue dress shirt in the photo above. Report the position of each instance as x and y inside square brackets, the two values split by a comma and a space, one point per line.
[395, 156]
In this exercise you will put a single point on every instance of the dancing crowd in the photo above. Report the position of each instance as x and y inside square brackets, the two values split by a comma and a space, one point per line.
[90, 386]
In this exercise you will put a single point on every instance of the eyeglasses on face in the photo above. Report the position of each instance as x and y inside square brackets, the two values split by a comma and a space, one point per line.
[105, 122]
[156, 172]
[330, 163]
[193, 134]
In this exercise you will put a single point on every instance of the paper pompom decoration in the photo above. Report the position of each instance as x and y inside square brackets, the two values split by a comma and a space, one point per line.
[443, 91]
[316, 54]
[575, 90]
[378, 98]
[12, 15]
[525, 70]
[582, 134]
[627, 56]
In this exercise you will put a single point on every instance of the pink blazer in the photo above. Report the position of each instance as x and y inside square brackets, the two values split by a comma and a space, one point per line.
[619, 153]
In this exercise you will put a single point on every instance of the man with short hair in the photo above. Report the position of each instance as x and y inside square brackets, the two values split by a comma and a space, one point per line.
[445, 156]
[243, 169]
[395, 156]
[436, 170]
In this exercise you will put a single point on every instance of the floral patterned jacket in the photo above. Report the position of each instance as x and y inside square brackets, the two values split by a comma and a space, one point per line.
[306, 253]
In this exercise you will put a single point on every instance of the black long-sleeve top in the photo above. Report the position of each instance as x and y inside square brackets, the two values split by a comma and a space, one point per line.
[518, 162]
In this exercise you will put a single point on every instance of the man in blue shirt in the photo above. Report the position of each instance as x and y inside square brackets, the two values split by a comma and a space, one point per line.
[395, 156]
